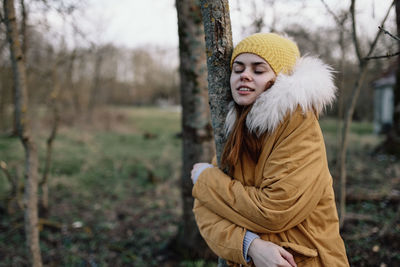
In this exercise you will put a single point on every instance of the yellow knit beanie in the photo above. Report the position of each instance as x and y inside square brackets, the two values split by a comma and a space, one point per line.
[280, 52]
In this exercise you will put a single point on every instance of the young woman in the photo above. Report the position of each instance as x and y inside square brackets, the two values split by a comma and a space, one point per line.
[275, 206]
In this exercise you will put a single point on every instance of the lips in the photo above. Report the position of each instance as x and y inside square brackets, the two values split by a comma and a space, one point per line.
[245, 89]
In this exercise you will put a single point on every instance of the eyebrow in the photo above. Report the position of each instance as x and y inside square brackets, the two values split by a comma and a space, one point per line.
[253, 63]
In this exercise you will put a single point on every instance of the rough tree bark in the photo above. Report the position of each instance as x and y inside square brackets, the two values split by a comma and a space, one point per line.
[218, 33]
[363, 64]
[196, 127]
[23, 127]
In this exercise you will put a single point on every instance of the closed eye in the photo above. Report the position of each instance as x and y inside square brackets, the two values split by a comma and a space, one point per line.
[238, 70]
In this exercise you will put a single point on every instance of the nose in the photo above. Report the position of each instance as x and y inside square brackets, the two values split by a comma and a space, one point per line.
[245, 76]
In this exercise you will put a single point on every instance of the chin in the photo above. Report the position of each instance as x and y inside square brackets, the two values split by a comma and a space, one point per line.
[243, 102]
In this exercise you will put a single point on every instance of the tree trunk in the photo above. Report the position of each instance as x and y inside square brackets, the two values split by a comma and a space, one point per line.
[363, 64]
[24, 18]
[2, 106]
[94, 93]
[340, 101]
[71, 84]
[44, 187]
[22, 121]
[344, 141]
[196, 126]
[217, 28]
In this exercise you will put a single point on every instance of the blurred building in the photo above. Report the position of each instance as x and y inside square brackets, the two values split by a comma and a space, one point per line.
[384, 101]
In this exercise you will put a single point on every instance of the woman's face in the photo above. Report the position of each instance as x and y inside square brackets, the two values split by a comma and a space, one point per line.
[251, 75]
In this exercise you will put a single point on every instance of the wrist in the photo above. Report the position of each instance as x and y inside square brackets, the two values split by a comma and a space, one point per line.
[252, 246]
[247, 240]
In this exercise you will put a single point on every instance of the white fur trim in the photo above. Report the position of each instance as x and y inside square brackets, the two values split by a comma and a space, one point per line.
[230, 118]
[310, 86]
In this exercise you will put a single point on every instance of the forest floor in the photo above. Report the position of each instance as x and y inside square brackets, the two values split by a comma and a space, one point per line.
[115, 198]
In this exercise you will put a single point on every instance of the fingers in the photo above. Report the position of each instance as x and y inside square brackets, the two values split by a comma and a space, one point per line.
[287, 256]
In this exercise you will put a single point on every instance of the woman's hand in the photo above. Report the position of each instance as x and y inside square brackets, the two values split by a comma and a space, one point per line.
[267, 254]
[196, 167]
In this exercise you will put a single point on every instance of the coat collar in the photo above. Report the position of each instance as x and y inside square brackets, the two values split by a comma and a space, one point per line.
[310, 86]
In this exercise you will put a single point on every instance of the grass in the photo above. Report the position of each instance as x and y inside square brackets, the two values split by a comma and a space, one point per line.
[105, 176]
[330, 125]
[114, 191]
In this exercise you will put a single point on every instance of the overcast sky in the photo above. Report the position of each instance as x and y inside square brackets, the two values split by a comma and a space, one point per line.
[133, 23]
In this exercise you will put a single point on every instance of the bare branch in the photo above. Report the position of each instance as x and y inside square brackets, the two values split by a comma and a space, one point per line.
[355, 37]
[24, 18]
[352, 103]
[372, 47]
[4, 168]
[388, 33]
[335, 17]
[383, 56]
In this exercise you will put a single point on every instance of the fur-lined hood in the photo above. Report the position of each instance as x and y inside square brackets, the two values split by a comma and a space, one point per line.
[310, 86]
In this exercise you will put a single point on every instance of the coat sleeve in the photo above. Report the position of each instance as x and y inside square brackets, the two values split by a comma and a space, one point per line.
[294, 179]
[222, 236]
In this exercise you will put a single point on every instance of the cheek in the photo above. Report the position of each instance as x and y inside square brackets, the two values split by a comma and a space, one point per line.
[269, 81]
[232, 82]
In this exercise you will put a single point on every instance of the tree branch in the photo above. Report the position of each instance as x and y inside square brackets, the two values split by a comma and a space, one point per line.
[355, 38]
[388, 33]
[3, 167]
[383, 56]
[372, 47]
[354, 35]
[335, 17]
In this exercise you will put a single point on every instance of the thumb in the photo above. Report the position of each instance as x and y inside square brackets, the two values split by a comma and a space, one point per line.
[287, 256]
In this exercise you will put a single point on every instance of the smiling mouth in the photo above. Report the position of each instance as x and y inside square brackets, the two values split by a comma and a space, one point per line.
[245, 89]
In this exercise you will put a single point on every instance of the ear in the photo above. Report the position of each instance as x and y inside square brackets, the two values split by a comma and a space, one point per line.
[269, 84]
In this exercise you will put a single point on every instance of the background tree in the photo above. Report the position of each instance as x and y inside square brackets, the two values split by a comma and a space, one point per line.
[196, 127]
[23, 127]
[54, 82]
[340, 21]
[350, 107]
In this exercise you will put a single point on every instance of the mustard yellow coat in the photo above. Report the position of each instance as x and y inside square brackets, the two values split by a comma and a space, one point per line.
[287, 196]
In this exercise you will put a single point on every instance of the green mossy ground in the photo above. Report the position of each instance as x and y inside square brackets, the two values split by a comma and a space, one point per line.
[115, 199]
